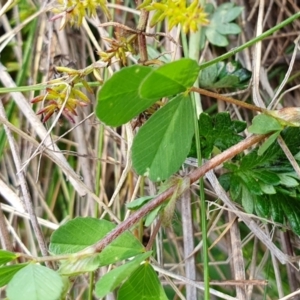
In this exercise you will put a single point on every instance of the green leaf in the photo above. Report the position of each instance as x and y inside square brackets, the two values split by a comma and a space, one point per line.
[208, 76]
[266, 176]
[170, 79]
[6, 256]
[225, 180]
[138, 203]
[75, 266]
[262, 124]
[269, 181]
[267, 189]
[7, 272]
[35, 282]
[276, 212]
[215, 38]
[219, 131]
[270, 140]
[227, 82]
[247, 200]
[235, 187]
[221, 75]
[229, 28]
[143, 284]
[250, 182]
[220, 24]
[292, 212]
[152, 216]
[262, 206]
[114, 278]
[119, 100]
[227, 12]
[80, 233]
[162, 144]
[287, 180]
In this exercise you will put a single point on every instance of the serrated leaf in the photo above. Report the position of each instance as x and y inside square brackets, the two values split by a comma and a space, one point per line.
[35, 282]
[80, 233]
[170, 79]
[114, 278]
[247, 200]
[262, 124]
[138, 203]
[148, 284]
[8, 272]
[6, 256]
[266, 144]
[119, 100]
[219, 131]
[162, 144]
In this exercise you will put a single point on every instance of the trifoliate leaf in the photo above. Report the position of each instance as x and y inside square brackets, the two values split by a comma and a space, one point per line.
[221, 24]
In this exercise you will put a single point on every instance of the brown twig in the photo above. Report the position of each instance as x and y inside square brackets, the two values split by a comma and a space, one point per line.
[227, 99]
[192, 177]
[136, 31]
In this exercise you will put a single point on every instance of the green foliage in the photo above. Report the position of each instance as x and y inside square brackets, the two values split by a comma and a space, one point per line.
[142, 284]
[262, 124]
[8, 272]
[80, 233]
[32, 281]
[35, 282]
[114, 278]
[266, 183]
[135, 89]
[162, 144]
[170, 79]
[6, 256]
[218, 131]
[119, 100]
[224, 75]
[221, 23]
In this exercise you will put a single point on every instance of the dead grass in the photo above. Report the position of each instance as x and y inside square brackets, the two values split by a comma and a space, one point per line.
[240, 263]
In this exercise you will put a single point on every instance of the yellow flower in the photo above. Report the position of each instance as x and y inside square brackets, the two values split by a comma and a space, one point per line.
[73, 11]
[176, 12]
[58, 99]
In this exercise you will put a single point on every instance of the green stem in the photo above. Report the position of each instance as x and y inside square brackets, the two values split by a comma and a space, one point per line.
[251, 42]
[202, 209]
